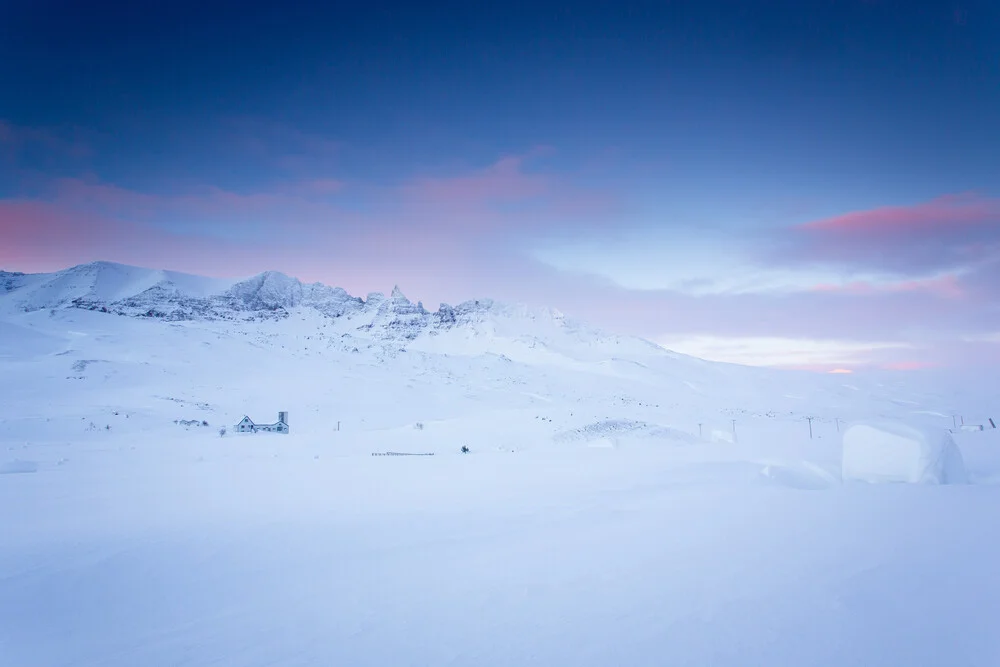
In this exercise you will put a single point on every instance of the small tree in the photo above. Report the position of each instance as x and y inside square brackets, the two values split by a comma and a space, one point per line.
[222, 431]
[465, 450]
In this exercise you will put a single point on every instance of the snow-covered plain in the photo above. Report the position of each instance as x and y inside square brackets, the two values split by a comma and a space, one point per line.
[609, 511]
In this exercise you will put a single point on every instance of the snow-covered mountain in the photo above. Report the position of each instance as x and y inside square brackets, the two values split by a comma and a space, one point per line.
[472, 326]
[141, 322]
[100, 283]
[168, 295]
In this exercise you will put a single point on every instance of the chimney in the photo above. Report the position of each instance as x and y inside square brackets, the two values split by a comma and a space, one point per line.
[283, 417]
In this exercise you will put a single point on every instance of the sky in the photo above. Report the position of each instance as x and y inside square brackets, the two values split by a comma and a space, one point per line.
[800, 184]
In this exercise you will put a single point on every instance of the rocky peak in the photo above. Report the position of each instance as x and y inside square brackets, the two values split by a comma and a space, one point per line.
[269, 290]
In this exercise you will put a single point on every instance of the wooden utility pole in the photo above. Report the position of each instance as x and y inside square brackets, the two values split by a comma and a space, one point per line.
[837, 419]
[734, 431]
[810, 420]
[699, 430]
[954, 423]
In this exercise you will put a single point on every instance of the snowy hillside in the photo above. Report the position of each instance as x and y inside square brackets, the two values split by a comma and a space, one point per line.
[129, 326]
[620, 502]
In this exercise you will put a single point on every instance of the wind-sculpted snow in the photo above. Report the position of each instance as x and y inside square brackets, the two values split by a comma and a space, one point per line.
[886, 451]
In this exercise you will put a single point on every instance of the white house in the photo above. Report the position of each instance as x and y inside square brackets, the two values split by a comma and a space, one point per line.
[246, 425]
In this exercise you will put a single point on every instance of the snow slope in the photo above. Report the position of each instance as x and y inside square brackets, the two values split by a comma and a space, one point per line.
[600, 518]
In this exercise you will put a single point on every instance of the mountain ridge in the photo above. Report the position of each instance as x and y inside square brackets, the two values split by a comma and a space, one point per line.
[139, 292]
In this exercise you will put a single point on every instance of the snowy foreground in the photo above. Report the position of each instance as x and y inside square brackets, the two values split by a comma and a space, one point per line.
[590, 524]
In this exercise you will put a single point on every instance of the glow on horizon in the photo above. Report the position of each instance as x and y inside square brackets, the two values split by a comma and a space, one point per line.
[793, 353]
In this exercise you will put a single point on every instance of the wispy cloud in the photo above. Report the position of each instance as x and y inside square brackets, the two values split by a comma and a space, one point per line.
[910, 365]
[475, 217]
[988, 337]
[494, 200]
[817, 354]
[207, 211]
[947, 234]
[948, 286]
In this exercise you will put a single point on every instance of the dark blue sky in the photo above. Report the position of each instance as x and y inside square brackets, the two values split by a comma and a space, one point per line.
[629, 129]
[905, 87]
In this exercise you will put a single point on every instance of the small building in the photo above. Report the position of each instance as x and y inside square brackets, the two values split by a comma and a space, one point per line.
[247, 425]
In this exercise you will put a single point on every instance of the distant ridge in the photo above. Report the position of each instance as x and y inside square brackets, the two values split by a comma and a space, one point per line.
[152, 294]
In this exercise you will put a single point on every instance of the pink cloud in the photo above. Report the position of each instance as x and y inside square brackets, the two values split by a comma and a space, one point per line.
[29, 228]
[432, 229]
[501, 181]
[830, 369]
[47, 236]
[908, 247]
[496, 199]
[502, 197]
[304, 206]
[946, 213]
[44, 237]
[909, 365]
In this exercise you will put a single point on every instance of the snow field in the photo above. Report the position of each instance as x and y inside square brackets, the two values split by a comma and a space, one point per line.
[590, 524]
[258, 552]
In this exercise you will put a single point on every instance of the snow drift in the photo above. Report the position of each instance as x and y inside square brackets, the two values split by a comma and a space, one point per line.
[887, 451]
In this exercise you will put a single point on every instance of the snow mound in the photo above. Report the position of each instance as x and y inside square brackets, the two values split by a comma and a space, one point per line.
[718, 435]
[804, 476]
[887, 451]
